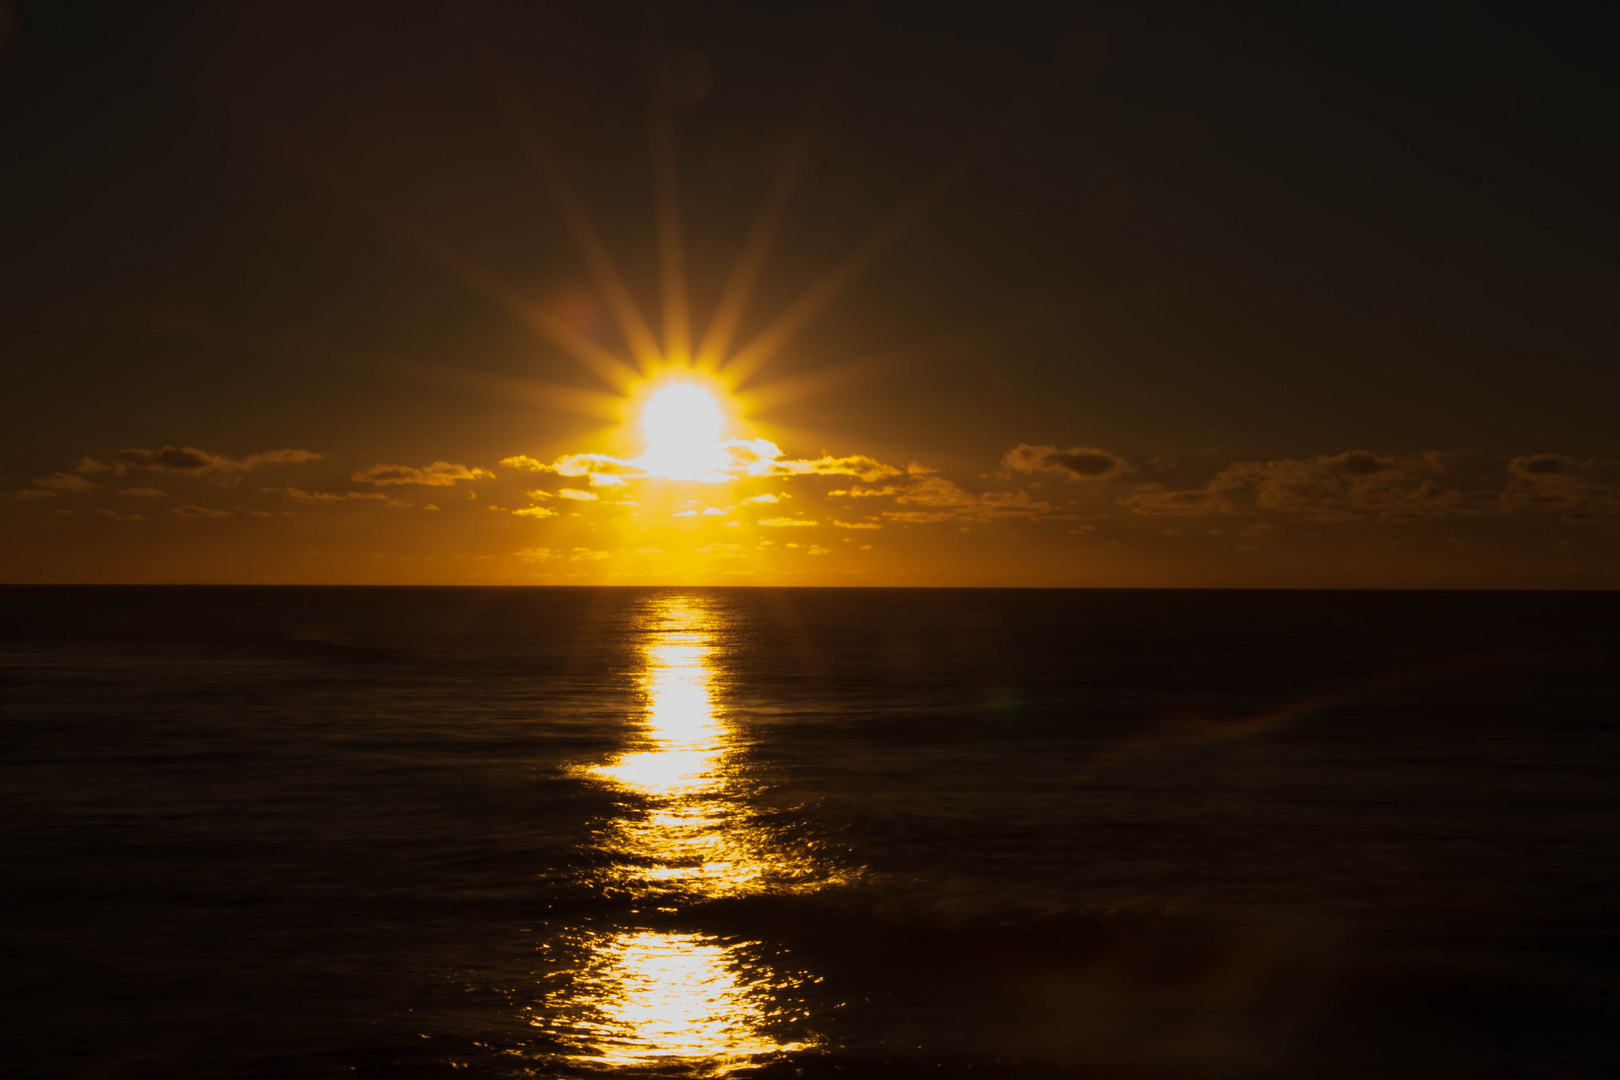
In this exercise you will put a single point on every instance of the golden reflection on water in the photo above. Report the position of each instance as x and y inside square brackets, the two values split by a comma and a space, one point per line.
[665, 998]
[686, 735]
[643, 996]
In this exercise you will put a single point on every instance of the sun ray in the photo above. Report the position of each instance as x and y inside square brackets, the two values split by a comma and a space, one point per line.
[570, 399]
[822, 380]
[612, 370]
[825, 289]
[608, 367]
[739, 287]
[598, 262]
[667, 207]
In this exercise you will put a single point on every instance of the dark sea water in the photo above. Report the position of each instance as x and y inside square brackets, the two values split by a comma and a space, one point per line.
[258, 832]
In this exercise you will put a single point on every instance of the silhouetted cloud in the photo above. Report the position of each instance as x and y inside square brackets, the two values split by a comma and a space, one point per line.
[188, 459]
[742, 458]
[114, 515]
[1578, 490]
[1075, 463]
[61, 481]
[315, 498]
[1360, 484]
[947, 500]
[199, 512]
[438, 474]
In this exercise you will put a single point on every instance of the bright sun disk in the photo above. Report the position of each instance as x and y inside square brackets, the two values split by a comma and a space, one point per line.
[682, 423]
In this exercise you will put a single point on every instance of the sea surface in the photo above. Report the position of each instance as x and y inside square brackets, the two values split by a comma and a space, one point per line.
[290, 832]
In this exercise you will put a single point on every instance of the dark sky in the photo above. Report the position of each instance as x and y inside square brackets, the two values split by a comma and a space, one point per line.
[1199, 234]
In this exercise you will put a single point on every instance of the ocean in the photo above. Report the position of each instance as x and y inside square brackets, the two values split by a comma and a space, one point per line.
[311, 832]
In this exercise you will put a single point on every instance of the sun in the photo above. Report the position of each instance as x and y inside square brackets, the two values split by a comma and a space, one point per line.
[682, 423]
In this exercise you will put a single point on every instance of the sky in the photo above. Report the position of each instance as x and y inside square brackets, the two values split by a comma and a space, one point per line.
[1100, 295]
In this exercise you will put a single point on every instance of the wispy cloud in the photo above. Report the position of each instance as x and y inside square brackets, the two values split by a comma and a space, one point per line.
[190, 460]
[316, 498]
[61, 481]
[438, 474]
[947, 500]
[1341, 487]
[1075, 463]
[739, 459]
[199, 512]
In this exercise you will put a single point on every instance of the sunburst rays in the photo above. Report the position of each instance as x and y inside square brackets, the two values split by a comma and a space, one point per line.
[648, 357]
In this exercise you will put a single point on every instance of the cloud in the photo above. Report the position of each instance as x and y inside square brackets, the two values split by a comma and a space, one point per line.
[535, 554]
[533, 512]
[89, 466]
[315, 498]
[919, 517]
[144, 493]
[787, 522]
[114, 515]
[61, 481]
[1342, 487]
[884, 492]
[947, 500]
[190, 460]
[740, 458]
[1577, 490]
[857, 465]
[438, 474]
[856, 524]
[577, 495]
[766, 498]
[1075, 463]
[581, 554]
[199, 512]
[593, 464]
[37, 493]
[1540, 466]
